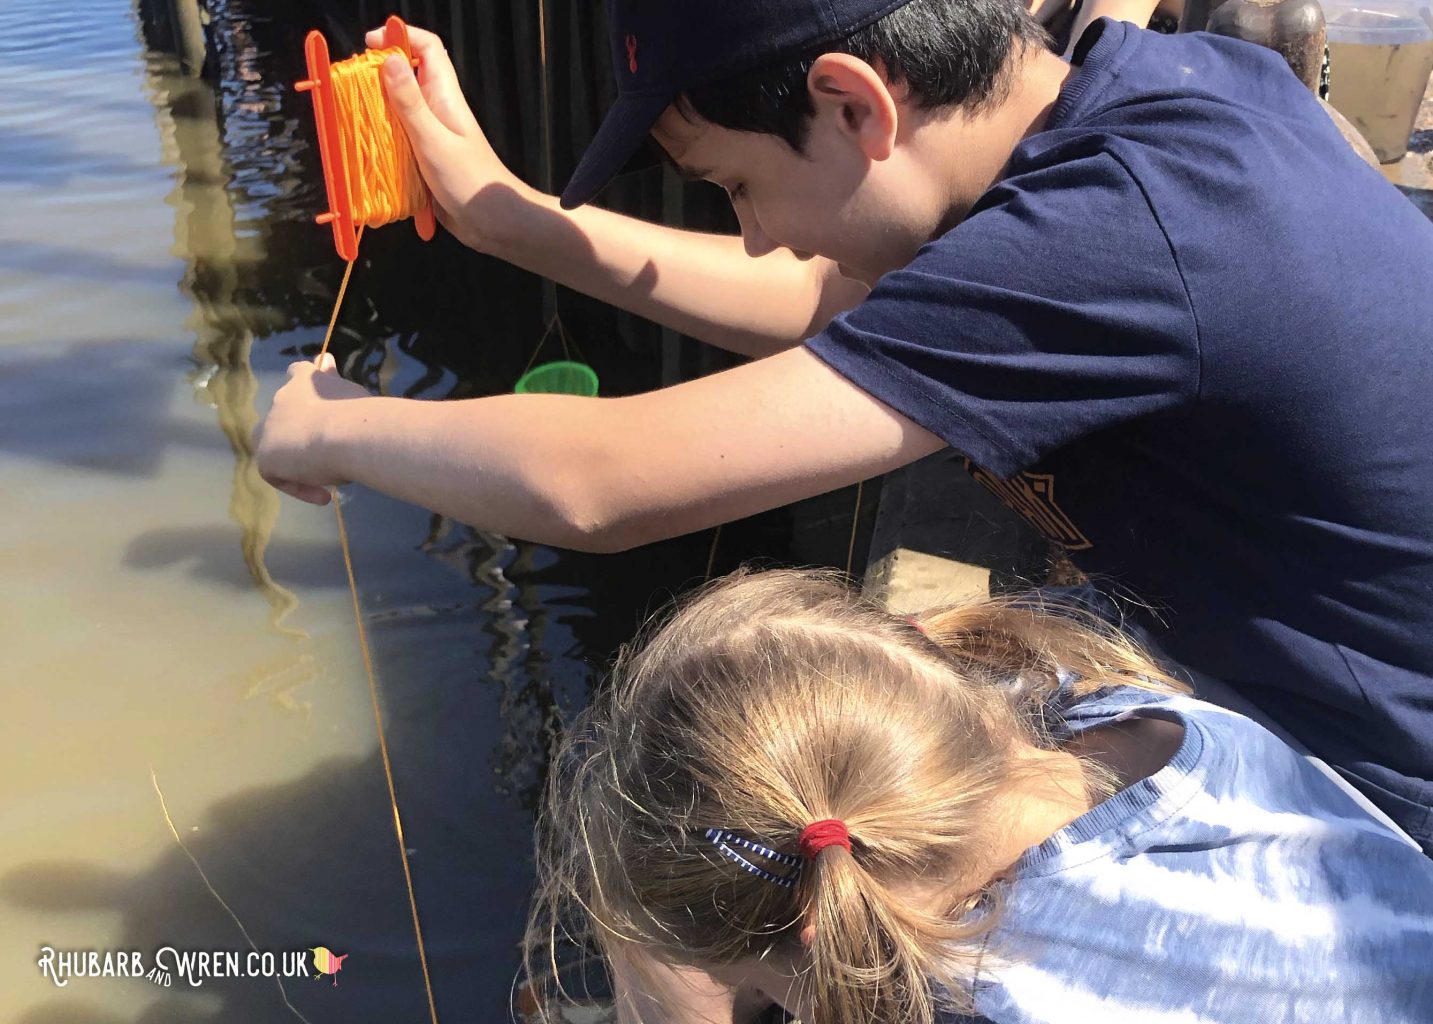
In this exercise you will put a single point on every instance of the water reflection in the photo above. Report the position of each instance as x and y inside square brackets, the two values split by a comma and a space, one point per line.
[206, 238]
[163, 607]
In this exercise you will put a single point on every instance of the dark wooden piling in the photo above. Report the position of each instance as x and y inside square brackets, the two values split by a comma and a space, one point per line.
[1294, 29]
[188, 20]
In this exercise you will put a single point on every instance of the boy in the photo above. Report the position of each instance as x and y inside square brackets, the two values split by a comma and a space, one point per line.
[1151, 295]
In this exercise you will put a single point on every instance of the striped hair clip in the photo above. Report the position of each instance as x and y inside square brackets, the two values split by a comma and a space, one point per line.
[728, 843]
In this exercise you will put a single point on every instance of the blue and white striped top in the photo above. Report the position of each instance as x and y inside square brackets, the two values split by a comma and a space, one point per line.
[1236, 884]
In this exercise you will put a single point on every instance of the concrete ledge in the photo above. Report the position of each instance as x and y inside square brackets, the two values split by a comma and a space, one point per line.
[909, 581]
[940, 538]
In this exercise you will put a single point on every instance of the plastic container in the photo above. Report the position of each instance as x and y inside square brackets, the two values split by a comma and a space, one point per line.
[1380, 56]
[559, 378]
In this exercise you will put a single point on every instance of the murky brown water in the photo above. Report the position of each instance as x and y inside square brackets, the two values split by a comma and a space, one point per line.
[1379, 86]
[162, 609]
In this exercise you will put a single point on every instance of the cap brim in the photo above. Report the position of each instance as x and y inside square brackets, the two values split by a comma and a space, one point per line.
[619, 137]
[647, 155]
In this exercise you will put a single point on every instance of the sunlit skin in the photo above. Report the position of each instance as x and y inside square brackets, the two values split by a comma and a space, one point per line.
[879, 176]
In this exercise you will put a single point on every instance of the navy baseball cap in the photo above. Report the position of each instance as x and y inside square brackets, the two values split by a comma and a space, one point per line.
[661, 48]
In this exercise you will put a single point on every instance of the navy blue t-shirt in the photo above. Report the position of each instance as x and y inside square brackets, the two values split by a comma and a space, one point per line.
[1189, 334]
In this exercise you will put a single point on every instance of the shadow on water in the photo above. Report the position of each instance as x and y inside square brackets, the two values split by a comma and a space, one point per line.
[134, 389]
[313, 862]
[309, 863]
[480, 659]
[84, 264]
[202, 550]
[483, 645]
[33, 158]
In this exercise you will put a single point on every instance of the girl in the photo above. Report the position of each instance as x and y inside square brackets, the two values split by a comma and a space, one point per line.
[995, 813]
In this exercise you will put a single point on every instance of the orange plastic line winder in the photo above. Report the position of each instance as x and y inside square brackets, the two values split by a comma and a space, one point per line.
[337, 153]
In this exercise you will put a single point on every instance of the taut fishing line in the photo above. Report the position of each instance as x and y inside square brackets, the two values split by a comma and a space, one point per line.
[372, 179]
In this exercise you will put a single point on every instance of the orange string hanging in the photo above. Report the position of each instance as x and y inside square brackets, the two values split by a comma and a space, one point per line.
[372, 179]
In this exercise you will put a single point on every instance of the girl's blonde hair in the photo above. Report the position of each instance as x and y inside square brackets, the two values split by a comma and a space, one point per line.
[771, 700]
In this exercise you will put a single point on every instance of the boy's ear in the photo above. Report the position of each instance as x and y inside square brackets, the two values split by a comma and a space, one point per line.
[859, 98]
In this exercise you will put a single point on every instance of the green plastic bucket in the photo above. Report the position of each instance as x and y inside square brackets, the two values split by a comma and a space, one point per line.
[560, 378]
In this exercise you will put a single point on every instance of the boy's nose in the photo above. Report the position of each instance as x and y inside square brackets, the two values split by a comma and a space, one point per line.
[756, 241]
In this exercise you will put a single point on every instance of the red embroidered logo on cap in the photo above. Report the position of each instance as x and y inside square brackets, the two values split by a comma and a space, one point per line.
[632, 53]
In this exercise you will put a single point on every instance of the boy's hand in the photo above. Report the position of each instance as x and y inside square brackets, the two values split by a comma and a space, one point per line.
[470, 185]
[289, 441]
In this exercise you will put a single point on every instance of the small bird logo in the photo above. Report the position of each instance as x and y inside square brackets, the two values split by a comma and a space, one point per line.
[325, 962]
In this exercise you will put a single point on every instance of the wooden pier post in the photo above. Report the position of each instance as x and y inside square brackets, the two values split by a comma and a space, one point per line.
[188, 22]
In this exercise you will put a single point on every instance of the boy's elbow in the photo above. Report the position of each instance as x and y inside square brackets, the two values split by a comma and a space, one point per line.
[599, 498]
[599, 535]
[602, 541]
[588, 516]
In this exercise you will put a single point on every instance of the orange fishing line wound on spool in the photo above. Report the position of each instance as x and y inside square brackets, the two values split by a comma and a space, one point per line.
[369, 171]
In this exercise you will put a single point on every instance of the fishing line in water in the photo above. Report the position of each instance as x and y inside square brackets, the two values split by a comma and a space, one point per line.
[367, 653]
[174, 831]
[371, 179]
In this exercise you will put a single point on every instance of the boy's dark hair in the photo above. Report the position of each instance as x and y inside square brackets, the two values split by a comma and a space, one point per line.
[946, 52]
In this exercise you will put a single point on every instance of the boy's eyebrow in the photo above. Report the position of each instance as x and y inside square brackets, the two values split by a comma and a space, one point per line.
[692, 173]
[689, 173]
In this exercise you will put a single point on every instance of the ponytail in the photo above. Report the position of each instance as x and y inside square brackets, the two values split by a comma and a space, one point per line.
[871, 951]
[774, 700]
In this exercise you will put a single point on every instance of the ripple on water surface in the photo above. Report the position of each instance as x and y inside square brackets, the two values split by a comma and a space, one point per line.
[160, 608]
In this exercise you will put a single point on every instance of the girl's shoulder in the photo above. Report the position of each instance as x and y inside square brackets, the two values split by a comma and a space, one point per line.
[1231, 783]
[1229, 885]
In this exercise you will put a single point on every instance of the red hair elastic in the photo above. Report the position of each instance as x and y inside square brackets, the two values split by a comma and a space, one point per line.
[818, 835]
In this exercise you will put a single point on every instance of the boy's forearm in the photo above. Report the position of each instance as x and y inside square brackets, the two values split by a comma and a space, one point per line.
[595, 474]
[506, 463]
[703, 285]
